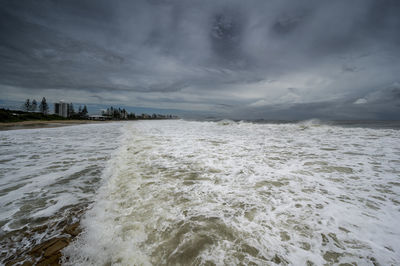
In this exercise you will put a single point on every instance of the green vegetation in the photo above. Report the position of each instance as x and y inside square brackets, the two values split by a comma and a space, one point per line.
[31, 107]
[81, 114]
[18, 116]
[32, 111]
[44, 107]
[113, 113]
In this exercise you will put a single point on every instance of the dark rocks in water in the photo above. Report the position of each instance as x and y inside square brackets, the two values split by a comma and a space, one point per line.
[50, 251]
[47, 252]
[73, 230]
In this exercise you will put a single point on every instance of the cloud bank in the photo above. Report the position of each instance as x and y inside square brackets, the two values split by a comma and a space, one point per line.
[249, 59]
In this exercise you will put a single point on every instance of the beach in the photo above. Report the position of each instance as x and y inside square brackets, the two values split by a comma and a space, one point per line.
[42, 123]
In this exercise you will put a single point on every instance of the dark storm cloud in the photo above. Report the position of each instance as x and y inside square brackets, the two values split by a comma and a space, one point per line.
[288, 58]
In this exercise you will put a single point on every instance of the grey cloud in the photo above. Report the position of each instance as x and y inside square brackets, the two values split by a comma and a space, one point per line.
[381, 104]
[225, 53]
[387, 96]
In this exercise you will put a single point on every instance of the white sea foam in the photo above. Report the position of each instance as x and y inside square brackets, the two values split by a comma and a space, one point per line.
[43, 171]
[180, 192]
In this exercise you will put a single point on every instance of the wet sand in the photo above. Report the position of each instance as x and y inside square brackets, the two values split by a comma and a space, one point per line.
[41, 124]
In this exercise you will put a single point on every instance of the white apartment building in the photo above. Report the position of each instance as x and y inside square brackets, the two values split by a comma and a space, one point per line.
[61, 108]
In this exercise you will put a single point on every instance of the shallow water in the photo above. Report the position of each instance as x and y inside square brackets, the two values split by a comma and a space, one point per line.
[205, 193]
[45, 175]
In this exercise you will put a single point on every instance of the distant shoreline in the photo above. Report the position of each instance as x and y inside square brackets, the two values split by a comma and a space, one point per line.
[44, 124]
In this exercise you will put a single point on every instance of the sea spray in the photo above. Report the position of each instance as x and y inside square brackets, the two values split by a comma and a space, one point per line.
[48, 176]
[102, 220]
[181, 192]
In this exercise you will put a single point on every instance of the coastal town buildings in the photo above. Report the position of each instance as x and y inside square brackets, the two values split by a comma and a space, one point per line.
[62, 109]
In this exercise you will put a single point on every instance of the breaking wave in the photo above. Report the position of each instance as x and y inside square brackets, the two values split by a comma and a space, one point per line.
[202, 193]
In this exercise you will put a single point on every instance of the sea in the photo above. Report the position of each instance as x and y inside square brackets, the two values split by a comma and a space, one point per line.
[177, 192]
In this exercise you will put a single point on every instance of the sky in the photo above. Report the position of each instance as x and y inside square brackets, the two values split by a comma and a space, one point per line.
[253, 59]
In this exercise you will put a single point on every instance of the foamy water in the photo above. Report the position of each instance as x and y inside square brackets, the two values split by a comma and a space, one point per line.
[224, 193]
[46, 172]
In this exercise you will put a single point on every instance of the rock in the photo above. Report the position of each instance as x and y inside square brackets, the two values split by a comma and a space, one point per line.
[50, 251]
[73, 229]
[38, 250]
[47, 252]
[19, 260]
[39, 229]
[52, 260]
[59, 244]
[13, 262]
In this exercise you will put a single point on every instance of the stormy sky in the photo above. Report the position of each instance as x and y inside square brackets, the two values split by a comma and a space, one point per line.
[272, 59]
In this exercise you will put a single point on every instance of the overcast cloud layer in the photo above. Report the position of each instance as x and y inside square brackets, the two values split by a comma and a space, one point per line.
[275, 59]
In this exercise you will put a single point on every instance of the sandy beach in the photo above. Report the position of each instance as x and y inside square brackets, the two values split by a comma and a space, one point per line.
[41, 123]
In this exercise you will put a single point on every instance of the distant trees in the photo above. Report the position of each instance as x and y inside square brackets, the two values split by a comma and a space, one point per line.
[117, 113]
[44, 107]
[61, 108]
[121, 114]
[27, 105]
[131, 116]
[82, 112]
[71, 109]
[33, 105]
[30, 106]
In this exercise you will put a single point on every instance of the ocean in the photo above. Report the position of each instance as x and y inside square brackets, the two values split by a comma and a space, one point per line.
[176, 192]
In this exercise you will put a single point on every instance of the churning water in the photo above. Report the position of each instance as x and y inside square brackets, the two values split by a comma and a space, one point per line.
[44, 175]
[211, 193]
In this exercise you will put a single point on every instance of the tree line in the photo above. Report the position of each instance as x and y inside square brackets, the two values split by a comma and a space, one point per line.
[118, 114]
[81, 113]
[43, 107]
[115, 113]
[33, 106]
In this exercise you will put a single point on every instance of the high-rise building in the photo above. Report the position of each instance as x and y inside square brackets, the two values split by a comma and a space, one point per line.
[62, 109]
